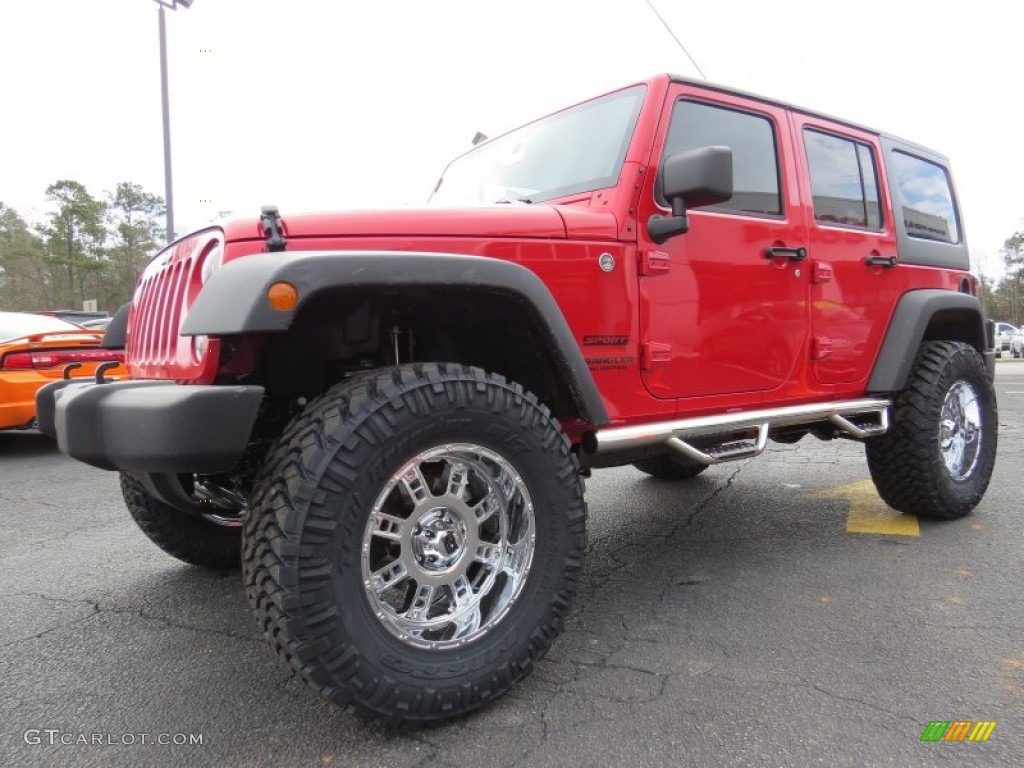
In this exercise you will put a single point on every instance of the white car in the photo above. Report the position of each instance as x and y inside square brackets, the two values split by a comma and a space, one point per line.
[1017, 344]
[1005, 334]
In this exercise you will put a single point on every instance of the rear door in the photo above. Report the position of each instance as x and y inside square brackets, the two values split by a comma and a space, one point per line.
[719, 314]
[852, 247]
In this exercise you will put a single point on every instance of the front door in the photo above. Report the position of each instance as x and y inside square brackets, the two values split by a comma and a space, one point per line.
[724, 306]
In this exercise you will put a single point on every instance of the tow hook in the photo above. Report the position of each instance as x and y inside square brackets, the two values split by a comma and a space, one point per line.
[102, 369]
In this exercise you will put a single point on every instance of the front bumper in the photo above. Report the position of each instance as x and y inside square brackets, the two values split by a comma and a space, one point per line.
[150, 426]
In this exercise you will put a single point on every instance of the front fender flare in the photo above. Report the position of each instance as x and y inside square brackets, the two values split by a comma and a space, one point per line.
[233, 300]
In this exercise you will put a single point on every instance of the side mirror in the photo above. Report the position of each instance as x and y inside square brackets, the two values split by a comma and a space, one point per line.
[691, 179]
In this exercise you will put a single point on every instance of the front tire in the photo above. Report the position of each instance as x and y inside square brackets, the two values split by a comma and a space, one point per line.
[937, 459]
[414, 541]
[189, 538]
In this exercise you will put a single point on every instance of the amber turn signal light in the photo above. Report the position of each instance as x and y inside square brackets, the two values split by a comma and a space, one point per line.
[282, 296]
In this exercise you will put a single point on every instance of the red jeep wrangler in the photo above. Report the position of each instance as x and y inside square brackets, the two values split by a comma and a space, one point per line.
[387, 416]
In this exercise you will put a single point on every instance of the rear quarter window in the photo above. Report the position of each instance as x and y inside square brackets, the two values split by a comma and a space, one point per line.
[926, 195]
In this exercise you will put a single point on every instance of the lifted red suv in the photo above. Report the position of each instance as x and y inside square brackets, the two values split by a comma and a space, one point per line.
[387, 416]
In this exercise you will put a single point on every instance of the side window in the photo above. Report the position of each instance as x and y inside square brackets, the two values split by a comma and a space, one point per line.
[927, 199]
[755, 162]
[869, 175]
[844, 182]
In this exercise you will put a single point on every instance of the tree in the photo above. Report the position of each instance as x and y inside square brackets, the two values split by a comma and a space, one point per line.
[988, 294]
[74, 237]
[1013, 258]
[24, 277]
[134, 214]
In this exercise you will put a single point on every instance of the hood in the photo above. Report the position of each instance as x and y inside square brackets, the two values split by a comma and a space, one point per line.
[492, 221]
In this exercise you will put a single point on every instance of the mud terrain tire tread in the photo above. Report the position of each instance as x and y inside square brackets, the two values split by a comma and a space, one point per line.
[179, 534]
[905, 463]
[311, 500]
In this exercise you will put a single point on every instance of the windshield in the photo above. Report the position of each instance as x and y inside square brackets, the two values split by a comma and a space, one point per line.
[16, 324]
[577, 150]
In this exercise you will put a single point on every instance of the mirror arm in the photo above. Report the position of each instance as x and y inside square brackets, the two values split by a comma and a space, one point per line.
[661, 228]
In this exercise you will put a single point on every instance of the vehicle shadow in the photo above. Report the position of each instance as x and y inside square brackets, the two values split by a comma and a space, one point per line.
[26, 444]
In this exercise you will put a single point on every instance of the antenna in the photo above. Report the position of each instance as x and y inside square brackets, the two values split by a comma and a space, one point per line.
[681, 46]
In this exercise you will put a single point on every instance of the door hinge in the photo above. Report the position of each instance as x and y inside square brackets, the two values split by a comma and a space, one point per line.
[821, 272]
[656, 353]
[654, 263]
[821, 347]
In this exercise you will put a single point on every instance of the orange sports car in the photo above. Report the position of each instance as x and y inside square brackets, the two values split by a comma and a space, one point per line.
[35, 350]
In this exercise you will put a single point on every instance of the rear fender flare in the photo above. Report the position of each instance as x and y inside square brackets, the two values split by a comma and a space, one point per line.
[909, 326]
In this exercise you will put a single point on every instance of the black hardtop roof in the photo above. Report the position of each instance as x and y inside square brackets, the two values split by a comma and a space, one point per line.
[813, 113]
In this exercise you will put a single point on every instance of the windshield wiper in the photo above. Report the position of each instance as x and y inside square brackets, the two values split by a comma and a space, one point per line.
[505, 201]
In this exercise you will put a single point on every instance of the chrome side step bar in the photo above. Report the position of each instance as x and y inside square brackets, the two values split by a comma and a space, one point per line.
[863, 430]
[742, 435]
[731, 450]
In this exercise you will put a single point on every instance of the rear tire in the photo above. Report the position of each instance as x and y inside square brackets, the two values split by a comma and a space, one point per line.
[937, 458]
[189, 538]
[670, 467]
[414, 541]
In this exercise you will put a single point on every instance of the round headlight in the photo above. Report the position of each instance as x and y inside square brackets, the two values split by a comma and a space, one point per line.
[200, 344]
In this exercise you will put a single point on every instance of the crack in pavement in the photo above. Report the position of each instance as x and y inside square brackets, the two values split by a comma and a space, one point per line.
[69, 533]
[589, 589]
[40, 502]
[281, 684]
[433, 748]
[525, 758]
[62, 625]
[137, 612]
[703, 506]
[815, 687]
[661, 677]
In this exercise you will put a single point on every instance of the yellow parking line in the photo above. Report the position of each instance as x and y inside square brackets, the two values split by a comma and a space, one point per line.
[868, 513]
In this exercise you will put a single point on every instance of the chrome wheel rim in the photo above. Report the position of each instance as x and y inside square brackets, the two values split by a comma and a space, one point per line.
[448, 546]
[960, 430]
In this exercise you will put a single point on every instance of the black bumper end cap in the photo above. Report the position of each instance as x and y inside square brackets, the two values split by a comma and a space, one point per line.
[46, 404]
[155, 426]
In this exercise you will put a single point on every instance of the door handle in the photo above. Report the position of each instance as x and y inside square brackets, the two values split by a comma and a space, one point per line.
[881, 261]
[793, 254]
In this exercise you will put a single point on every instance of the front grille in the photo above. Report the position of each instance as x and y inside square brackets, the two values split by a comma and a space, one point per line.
[157, 316]
[168, 286]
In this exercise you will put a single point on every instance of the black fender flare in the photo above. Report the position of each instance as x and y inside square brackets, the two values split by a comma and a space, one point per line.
[908, 327]
[234, 299]
[117, 330]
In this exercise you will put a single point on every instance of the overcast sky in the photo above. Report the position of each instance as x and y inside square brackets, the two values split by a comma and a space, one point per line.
[313, 105]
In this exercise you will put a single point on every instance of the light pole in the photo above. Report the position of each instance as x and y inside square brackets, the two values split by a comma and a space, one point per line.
[168, 184]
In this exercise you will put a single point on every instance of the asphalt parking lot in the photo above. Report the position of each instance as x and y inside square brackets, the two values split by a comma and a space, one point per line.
[731, 620]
